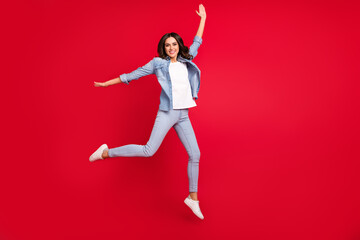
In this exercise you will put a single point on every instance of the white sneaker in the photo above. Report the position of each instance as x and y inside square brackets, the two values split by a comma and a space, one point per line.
[97, 155]
[194, 206]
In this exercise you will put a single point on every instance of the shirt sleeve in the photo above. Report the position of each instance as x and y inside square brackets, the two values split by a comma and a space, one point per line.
[145, 70]
[195, 45]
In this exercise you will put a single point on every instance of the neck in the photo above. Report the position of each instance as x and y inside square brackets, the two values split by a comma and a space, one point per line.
[173, 59]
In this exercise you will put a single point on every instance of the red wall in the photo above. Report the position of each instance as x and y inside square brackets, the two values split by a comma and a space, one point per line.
[277, 121]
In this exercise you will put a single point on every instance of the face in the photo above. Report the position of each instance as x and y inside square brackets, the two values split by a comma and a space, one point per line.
[171, 47]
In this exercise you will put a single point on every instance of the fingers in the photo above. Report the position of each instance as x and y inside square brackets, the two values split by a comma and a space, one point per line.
[201, 10]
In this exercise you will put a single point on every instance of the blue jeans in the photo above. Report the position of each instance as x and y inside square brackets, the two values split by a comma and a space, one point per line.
[179, 120]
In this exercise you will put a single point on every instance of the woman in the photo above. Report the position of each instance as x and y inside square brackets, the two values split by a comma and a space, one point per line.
[179, 78]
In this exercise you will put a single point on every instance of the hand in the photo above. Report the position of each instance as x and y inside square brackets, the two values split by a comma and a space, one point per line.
[99, 84]
[201, 12]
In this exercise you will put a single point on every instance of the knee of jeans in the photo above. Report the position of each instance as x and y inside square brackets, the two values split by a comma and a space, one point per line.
[149, 151]
[195, 156]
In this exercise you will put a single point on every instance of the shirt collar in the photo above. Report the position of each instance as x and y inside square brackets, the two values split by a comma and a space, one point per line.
[179, 58]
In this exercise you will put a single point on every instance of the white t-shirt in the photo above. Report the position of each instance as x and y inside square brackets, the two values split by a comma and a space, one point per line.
[181, 90]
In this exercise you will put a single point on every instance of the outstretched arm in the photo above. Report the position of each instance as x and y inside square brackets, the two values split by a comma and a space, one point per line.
[128, 77]
[202, 14]
[108, 83]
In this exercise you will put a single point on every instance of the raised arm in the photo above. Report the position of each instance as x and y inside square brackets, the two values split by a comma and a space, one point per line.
[202, 14]
[198, 38]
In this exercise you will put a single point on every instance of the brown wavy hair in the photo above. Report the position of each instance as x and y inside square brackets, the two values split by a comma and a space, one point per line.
[183, 50]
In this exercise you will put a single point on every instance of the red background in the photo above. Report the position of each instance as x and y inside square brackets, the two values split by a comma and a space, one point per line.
[277, 121]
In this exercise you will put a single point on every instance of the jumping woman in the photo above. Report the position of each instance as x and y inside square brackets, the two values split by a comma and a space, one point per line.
[179, 78]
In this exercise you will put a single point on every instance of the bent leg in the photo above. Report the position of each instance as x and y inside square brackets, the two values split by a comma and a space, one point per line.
[186, 134]
[162, 125]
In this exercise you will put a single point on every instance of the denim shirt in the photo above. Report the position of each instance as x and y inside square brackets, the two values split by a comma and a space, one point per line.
[160, 67]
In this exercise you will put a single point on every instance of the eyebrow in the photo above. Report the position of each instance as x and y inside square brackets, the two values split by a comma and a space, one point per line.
[170, 43]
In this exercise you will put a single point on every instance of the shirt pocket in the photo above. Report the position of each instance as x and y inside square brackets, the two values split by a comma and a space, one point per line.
[161, 72]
